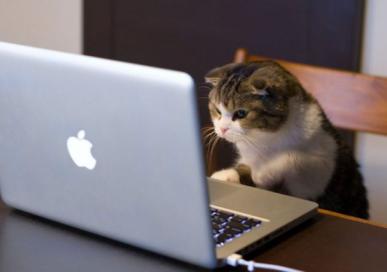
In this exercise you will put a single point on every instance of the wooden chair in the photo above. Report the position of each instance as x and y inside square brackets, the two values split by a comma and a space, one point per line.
[351, 100]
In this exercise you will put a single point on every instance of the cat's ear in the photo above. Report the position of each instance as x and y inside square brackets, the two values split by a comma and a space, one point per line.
[259, 87]
[215, 75]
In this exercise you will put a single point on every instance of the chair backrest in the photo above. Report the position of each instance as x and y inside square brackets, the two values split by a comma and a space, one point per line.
[351, 100]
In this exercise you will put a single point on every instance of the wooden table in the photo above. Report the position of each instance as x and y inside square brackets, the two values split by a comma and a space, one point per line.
[326, 243]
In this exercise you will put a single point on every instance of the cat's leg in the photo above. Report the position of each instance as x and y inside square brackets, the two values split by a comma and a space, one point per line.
[266, 179]
[310, 175]
[241, 173]
[296, 173]
[244, 172]
[271, 175]
[229, 175]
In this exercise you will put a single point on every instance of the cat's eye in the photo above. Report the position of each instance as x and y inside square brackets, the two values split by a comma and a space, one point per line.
[218, 111]
[239, 114]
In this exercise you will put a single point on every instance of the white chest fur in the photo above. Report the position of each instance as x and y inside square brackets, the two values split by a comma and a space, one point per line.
[301, 154]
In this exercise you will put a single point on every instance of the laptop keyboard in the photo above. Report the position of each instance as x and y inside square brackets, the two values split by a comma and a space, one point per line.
[227, 226]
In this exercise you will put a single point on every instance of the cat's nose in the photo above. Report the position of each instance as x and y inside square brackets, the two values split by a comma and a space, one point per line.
[223, 130]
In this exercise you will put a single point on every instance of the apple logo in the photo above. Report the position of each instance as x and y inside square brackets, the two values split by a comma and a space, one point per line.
[80, 151]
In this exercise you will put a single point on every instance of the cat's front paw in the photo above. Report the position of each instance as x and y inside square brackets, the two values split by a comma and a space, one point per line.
[266, 179]
[229, 175]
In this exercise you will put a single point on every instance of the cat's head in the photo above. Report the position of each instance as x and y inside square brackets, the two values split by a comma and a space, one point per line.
[250, 97]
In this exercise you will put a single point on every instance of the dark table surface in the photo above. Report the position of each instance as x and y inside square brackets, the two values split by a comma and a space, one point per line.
[326, 243]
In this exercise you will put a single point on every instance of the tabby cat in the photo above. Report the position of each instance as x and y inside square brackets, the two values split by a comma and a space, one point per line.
[284, 140]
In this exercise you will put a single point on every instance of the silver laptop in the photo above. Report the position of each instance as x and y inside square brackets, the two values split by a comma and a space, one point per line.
[114, 148]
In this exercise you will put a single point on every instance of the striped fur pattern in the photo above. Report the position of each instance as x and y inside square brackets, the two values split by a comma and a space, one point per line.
[284, 140]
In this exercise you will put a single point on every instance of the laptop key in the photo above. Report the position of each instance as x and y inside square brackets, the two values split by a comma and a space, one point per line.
[224, 237]
[239, 225]
[228, 226]
[233, 230]
[215, 226]
[219, 220]
[252, 222]
[239, 219]
[225, 216]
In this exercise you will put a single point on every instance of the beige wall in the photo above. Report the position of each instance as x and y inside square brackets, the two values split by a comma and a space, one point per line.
[57, 24]
[53, 24]
[372, 149]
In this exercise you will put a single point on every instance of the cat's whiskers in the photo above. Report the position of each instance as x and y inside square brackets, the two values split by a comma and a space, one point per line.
[204, 129]
[217, 139]
[209, 136]
[253, 145]
[206, 137]
[209, 148]
[234, 136]
[260, 147]
[207, 132]
[206, 86]
[203, 97]
[211, 139]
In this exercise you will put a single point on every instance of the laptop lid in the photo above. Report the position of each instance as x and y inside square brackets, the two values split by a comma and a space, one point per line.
[109, 147]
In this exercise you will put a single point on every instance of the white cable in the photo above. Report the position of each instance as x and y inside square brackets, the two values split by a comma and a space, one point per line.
[236, 259]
